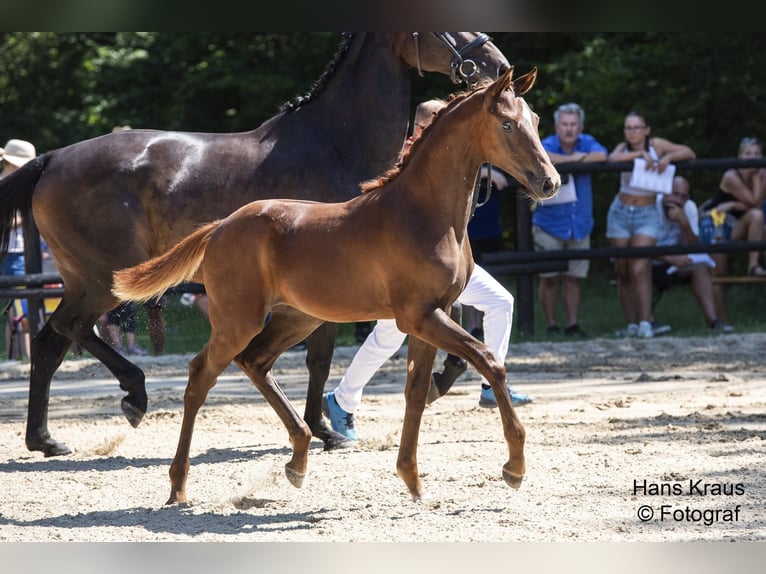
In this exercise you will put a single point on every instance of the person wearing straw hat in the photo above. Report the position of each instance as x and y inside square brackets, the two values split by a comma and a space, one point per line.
[15, 154]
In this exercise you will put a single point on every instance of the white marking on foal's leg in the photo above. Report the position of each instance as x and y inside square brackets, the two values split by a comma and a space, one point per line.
[411, 366]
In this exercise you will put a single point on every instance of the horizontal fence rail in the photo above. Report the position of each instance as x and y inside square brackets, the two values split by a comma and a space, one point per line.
[522, 263]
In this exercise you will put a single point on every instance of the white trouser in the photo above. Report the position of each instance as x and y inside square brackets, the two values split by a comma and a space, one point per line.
[483, 292]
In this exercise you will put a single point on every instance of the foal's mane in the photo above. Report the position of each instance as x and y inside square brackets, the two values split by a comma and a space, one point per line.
[321, 82]
[388, 176]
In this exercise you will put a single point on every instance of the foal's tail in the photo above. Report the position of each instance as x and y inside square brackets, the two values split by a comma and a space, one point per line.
[152, 278]
[16, 196]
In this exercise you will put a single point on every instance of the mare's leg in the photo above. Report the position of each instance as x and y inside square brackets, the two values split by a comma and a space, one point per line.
[320, 346]
[73, 322]
[47, 350]
[440, 331]
[420, 360]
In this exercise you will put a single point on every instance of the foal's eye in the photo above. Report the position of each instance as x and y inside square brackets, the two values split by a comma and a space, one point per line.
[506, 126]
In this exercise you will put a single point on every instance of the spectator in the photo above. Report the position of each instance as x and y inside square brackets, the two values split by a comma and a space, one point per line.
[567, 224]
[634, 221]
[15, 154]
[122, 319]
[679, 226]
[482, 292]
[740, 195]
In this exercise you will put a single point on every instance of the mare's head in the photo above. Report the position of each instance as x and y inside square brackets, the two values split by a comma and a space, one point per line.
[509, 138]
[464, 56]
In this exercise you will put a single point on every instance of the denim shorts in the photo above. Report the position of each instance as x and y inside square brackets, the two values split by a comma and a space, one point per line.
[624, 221]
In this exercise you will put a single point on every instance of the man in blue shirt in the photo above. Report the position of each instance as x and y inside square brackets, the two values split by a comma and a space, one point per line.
[566, 221]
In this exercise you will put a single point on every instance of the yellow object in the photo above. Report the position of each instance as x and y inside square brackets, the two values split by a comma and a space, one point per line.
[718, 217]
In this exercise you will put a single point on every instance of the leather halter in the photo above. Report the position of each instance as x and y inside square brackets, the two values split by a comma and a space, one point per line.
[464, 67]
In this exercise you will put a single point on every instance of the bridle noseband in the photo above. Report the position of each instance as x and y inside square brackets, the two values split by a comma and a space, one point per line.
[463, 69]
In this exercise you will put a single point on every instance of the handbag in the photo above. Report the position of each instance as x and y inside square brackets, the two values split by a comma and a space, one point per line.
[566, 193]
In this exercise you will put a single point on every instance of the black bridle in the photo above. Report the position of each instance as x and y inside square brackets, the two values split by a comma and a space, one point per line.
[466, 69]
[463, 69]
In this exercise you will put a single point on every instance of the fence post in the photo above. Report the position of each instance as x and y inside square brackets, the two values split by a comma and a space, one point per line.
[525, 298]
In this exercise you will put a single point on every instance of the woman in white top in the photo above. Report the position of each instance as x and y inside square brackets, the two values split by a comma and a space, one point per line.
[633, 219]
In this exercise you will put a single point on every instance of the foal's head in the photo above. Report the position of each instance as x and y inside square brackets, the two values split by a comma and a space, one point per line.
[510, 138]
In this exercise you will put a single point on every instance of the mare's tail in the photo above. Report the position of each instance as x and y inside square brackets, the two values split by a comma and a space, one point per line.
[16, 196]
[152, 278]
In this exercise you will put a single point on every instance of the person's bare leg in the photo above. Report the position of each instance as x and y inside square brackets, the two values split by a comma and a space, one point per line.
[702, 287]
[719, 289]
[571, 296]
[548, 290]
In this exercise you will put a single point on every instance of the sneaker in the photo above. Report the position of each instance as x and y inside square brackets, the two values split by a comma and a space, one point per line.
[341, 421]
[574, 329]
[487, 398]
[553, 330]
[645, 330]
[721, 327]
[136, 350]
[660, 329]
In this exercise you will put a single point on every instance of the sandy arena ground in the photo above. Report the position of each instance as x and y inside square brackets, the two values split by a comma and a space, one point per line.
[627, 440]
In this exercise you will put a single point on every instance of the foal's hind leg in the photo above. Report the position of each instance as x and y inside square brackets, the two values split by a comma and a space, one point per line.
[203, 372]
[282, 332]
[420, 360]
[287, 327]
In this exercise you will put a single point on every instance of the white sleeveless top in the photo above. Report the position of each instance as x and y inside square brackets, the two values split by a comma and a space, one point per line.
[625, 178]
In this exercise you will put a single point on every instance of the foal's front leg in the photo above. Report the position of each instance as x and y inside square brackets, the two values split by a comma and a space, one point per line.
[442, 332]
[420, 361]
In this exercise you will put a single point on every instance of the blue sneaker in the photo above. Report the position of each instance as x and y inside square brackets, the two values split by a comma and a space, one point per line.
[487, 399]
[341, 421]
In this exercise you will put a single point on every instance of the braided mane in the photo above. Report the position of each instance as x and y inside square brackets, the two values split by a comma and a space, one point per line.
[320, 83]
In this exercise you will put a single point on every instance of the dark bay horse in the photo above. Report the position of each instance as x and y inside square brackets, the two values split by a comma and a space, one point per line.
[400, 250]
[116, 200]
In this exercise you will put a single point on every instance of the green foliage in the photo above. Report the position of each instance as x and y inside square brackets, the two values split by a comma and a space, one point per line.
[707, 90]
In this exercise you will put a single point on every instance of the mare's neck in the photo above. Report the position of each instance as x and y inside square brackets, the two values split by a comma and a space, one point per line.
[365, 104]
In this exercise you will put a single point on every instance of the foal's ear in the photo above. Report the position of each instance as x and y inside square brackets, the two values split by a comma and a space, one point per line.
[522, 85]
[502, 83]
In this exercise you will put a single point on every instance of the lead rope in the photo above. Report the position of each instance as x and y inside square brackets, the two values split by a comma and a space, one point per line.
[477, 188]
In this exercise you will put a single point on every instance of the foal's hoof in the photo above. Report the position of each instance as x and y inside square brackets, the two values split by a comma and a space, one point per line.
[295, 478]
[48, 447]
[176, 497]
[132, 412]
[512, 480]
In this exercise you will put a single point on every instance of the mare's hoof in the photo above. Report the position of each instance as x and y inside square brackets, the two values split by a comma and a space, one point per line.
[132, 412]
[295, 478]
[332, 440]
[337, 441]
[512, 480]
[48, 447]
